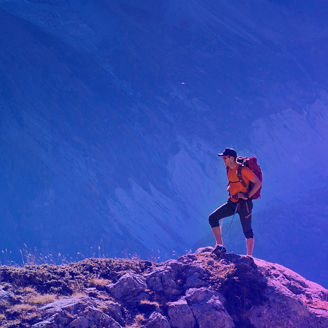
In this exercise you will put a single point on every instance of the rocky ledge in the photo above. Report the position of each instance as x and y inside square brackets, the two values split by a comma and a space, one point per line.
[196, 290]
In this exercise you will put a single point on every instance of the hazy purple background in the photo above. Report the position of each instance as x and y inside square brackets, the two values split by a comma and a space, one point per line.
[112, 113]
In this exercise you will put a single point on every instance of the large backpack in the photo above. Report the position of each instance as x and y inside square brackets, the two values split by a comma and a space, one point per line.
[251, 163]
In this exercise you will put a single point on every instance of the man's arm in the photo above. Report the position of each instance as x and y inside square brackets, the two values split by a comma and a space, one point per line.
[256, 186]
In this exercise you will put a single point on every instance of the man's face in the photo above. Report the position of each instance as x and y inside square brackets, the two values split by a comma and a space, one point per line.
[228, 160]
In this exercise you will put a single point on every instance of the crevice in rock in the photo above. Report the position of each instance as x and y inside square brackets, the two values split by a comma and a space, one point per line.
[243, 289]
[193, 314]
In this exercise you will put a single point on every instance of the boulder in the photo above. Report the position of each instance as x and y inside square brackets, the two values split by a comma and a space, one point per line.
[114, 310]
[195, 277]
[127, 287]
[4, 294]
[207, 308]
[99, 319]
[43, 324]
[164, 280]
[292, 301]
[71, 305]
[80, 322]
[180, 314]
[204, 250]
[154, 280]
[157, 320]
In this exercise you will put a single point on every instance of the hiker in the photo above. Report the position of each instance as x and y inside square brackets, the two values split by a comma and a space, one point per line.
[240, 200]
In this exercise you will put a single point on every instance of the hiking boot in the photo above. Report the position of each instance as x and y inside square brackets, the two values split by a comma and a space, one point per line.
[219, 249]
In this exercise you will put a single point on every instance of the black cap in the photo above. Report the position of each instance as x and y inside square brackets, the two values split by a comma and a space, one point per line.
[228, 152]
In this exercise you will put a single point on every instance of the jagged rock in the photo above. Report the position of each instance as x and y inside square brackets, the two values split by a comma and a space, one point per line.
[43, 324]
[114, 310]
[79, 323]
[291, 301]
[69, 304]
[62, 319]
[207, 307]
[72, 316]
[127, 287]
[195, 277]
[180, 315]
[100, 319]
[4, 294]
[201, 295]
[170, 285]
[154, 280]
[187, 258]
[157, 320]
[94, 318]
[164, 280]
[203, 250]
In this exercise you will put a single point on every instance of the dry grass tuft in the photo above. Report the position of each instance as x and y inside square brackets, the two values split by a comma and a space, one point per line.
[4, 303]
[12, 324]
[23, 307]
[28, 290]
[97, 282]
[149, 303]
[139, 321]
[79, 295]
[140, 318]
[42, 299]
[102, 306]
[30, 316]
[105, 298]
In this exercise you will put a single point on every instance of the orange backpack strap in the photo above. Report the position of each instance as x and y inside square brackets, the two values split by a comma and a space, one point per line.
[239, 175]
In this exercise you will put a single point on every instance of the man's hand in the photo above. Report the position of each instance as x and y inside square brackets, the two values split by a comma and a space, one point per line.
[242, 195]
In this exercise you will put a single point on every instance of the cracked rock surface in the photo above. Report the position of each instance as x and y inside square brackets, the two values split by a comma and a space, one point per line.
[195, 291]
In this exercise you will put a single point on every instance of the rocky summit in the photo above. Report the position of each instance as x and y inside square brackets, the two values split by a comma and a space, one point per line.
[197, 290]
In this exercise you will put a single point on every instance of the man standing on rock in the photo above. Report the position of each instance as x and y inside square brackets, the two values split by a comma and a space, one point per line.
[240, 200]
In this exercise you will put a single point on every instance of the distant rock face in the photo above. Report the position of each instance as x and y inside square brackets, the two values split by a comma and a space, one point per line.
[196, 291]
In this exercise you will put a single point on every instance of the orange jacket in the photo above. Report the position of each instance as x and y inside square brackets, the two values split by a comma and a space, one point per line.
[235, 186]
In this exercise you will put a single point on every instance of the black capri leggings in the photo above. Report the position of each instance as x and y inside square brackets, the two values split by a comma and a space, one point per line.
[244, 209]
